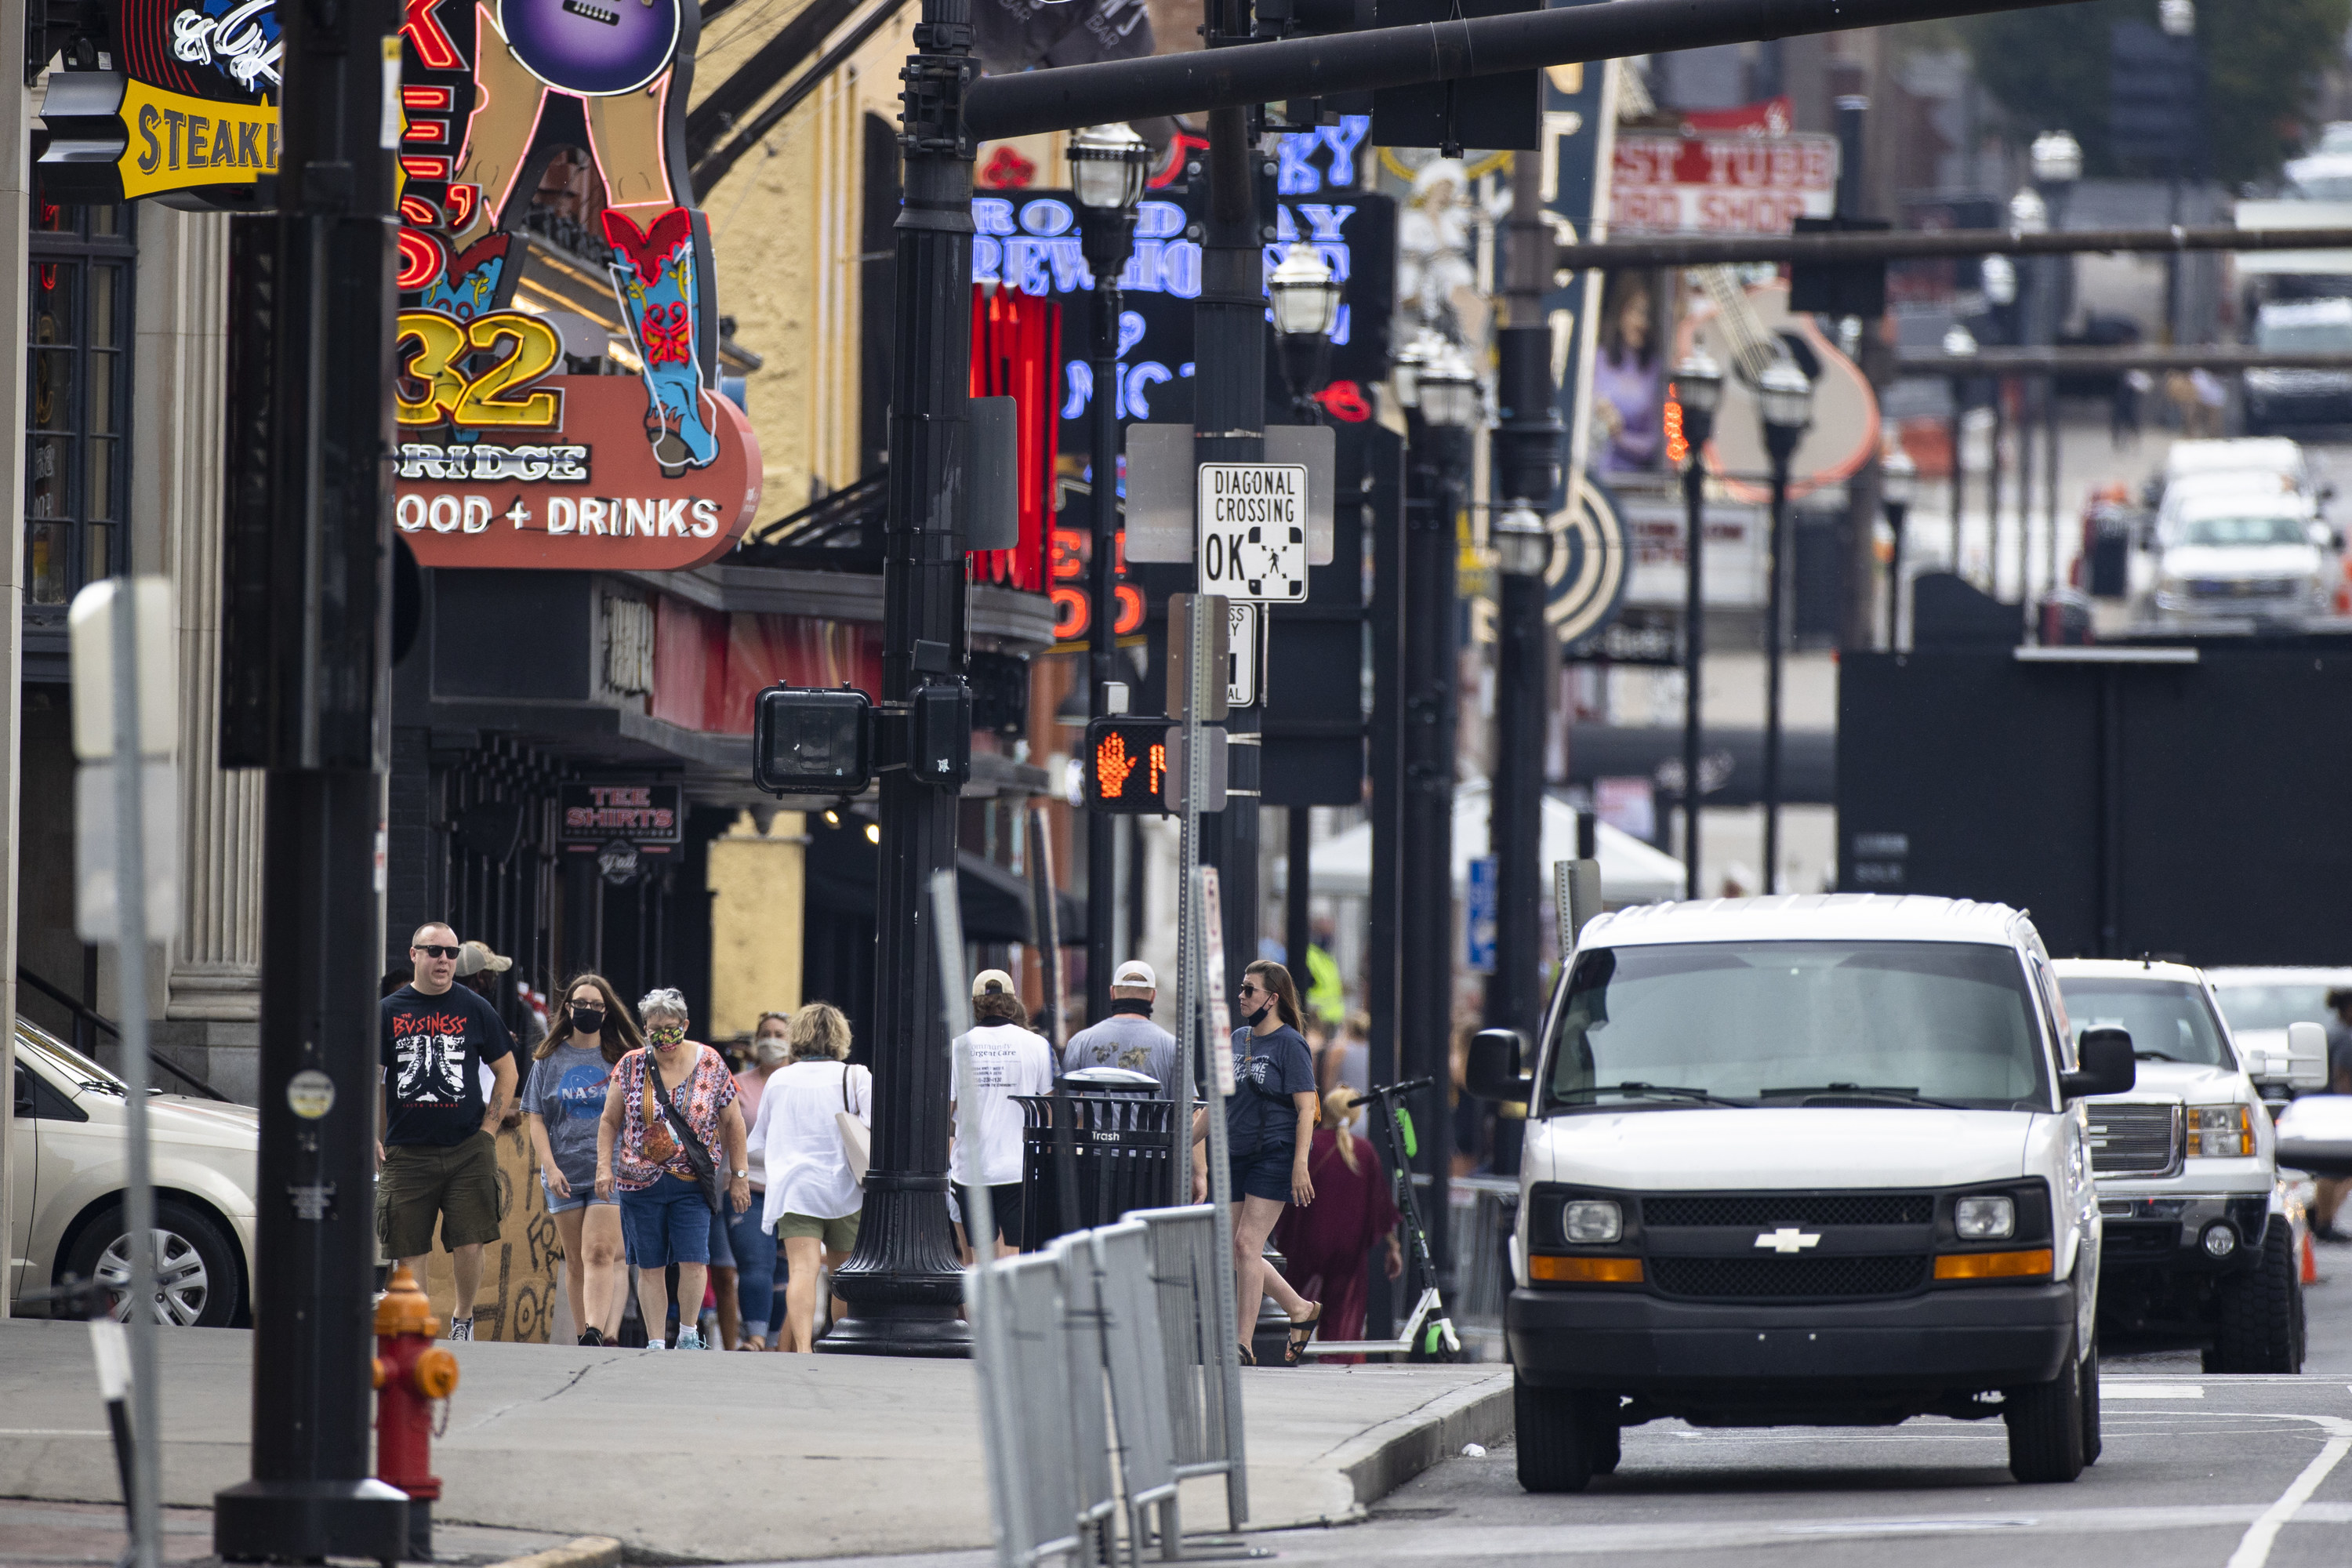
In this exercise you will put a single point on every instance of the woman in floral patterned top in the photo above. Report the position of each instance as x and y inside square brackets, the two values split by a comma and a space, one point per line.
[662, 1206]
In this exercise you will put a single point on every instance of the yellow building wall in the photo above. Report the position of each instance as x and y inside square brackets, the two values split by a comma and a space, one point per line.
[759, 887]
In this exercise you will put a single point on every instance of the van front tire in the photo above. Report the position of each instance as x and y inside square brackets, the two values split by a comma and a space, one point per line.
[1559, 1438]
[2047, 1422]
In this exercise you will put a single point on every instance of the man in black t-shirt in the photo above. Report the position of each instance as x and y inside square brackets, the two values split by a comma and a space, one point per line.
[438, 1157]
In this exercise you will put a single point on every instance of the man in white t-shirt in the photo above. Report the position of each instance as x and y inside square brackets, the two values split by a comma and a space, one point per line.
[1007, 1059]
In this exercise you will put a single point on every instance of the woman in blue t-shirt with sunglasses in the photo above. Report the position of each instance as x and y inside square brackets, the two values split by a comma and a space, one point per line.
[1269, 1126]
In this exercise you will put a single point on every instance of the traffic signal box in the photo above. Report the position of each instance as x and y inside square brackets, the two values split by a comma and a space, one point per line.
[1127, 762]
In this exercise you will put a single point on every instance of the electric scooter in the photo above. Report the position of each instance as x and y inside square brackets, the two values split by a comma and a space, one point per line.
[1428, 1333]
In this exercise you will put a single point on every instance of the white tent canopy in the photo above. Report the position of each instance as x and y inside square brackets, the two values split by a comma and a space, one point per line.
[1631, 872]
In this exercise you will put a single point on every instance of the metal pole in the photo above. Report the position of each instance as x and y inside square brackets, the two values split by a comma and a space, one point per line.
[1438, 458]
[138, 1199]
[903, 1283]
[305, 641]
[1992, 488]
[1102, 639]
[1229, 426]
[1775, 613]
[1693, 653]
[1067, 97]
[1959, 491]
[1298, 889]
[1896, 513]
[1527, 450]
[1197, 1069]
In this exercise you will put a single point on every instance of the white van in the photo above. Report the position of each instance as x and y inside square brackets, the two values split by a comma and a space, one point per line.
[1809, 1160]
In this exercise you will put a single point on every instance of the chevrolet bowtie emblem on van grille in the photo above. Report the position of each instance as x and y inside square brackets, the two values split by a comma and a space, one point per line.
[1788, 1239]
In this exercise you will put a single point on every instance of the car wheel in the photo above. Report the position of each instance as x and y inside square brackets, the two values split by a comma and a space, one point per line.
[2090, 1374]
[2045, 1425]
[2258, 1311]
[195, 1265]
[1558, 1438]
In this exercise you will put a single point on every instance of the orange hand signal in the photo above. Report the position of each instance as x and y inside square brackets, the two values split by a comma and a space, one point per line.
[1112, 764]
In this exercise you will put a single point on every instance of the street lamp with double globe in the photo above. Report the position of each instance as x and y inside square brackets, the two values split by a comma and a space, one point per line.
[1698, 390]
[1109, 164]
[1785, 399]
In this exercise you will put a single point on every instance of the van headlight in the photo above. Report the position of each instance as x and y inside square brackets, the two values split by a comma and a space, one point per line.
[2219, 1131]
[1988, 1217]
[1592, 1220]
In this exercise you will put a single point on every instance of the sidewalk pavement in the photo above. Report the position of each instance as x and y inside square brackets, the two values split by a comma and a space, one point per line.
[729, 1458]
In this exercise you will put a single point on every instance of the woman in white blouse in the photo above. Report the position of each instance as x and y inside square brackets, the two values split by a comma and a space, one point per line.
[812, 1196]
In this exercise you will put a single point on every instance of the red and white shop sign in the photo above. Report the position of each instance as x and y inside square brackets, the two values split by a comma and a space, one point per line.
[592, 497]
[1721, 185]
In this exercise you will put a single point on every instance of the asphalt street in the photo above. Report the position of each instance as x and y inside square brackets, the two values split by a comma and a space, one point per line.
[2199, 1472]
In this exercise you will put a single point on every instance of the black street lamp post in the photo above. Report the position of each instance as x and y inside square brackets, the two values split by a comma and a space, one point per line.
[1786, 397]
[904, 1282]
[2057, 161]
[1898, 479]
[1698, 389]
[1441, 403]
[1108, 167]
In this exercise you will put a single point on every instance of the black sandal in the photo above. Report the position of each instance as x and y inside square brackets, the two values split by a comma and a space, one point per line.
[1248, 1356]
[1302, 1330]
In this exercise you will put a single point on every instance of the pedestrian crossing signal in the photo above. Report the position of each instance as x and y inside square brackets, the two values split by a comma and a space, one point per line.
[1127, 760]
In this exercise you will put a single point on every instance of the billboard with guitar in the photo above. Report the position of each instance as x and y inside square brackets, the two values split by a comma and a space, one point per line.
[551, 134]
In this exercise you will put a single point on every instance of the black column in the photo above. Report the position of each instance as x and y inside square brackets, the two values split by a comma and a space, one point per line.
[304, 694]
[1229, 426]
[1437, 465]
[903, 1284]
[1102, 639]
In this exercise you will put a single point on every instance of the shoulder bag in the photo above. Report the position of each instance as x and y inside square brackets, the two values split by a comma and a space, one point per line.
[706, 1169]
[856, 1141]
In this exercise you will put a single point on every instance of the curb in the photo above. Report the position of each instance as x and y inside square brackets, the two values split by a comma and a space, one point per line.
[587, 1552]
[1382, 1459]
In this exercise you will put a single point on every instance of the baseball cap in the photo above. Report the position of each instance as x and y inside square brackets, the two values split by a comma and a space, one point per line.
[993, 981]
[1135, 971]
[472, 957]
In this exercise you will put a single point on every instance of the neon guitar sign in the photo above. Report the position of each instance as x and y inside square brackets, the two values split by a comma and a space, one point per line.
[493, 93]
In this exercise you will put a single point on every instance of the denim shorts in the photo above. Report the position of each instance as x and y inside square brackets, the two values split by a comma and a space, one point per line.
[667, 1223]
[582, 1194]
[1264, 1173]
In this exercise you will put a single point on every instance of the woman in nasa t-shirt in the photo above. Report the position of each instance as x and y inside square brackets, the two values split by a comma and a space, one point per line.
[570, 1071]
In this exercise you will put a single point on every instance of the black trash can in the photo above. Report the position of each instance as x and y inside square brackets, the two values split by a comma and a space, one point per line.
[1117, 1152]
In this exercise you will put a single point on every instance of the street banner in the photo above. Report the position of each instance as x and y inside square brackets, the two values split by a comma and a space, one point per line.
[1721, 184]
[1482, 920]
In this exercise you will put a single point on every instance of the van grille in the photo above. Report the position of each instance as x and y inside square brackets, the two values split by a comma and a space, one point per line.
[2134, 1140]
[1790, 1208]
[1787, 1279]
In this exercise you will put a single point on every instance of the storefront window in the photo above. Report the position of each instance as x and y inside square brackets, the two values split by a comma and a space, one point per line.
[77, 373]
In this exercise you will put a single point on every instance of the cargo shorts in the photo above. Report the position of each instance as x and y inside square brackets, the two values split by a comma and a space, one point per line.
[422, 1183]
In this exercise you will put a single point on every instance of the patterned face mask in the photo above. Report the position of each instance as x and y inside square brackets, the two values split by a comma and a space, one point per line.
[665, 1037]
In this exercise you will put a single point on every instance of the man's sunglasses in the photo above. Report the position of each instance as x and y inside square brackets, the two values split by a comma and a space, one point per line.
[435, 950]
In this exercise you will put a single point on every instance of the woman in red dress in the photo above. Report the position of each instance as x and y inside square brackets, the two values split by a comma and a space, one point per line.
[1325, 1246]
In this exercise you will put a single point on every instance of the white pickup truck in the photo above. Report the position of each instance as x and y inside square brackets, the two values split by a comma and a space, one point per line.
[1804, 1160]
[2199, 1251]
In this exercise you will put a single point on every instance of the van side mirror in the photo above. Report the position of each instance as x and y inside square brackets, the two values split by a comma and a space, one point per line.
[2306, 1054]
[2108, 1065]
[1493, 1071]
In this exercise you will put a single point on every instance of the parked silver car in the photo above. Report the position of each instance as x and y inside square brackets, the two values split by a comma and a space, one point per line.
[71, 1167]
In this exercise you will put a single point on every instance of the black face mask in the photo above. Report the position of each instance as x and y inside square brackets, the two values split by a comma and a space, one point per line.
[1252, 1019]
[588, 1020]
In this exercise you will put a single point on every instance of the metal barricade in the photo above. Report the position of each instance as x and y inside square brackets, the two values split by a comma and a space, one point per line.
[1483, 1210]
[1097, 1367]
[1117, 1151]
[1046, 1387]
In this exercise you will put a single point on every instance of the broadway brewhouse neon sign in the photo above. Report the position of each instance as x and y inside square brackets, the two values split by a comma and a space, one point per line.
[511, 457]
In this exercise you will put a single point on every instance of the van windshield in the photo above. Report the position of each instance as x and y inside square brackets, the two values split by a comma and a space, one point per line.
[2168, 1020]
[1795, 1023]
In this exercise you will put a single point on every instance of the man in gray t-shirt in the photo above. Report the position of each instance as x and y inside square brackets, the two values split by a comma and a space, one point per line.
[1128, 1038]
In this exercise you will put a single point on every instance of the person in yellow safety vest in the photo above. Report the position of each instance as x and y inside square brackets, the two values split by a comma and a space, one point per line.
[1327, 998]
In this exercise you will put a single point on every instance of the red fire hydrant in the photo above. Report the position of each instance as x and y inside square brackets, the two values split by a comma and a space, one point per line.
[411, 1373]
